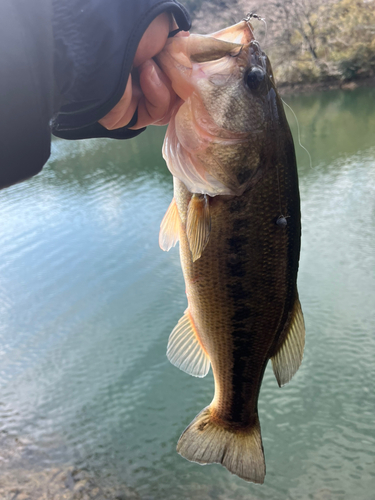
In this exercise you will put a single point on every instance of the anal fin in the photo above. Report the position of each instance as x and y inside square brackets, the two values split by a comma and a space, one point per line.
[185, 349]
[170, 227]
[289, 355]
[198, 225]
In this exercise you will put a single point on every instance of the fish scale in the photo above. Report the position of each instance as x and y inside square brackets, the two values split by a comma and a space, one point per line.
[239, 262]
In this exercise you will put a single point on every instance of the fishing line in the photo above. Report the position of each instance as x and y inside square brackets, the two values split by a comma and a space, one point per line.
[265, 27]
[281, 220]
[278, 186]
[252, 15]
[299, 132]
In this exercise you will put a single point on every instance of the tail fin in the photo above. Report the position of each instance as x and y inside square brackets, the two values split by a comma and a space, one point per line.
[240, 451]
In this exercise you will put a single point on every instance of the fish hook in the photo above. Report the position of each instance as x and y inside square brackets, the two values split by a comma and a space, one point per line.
[253, 15]
[238, 53]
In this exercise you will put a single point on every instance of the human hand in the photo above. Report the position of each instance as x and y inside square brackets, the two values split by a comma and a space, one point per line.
[148, 88]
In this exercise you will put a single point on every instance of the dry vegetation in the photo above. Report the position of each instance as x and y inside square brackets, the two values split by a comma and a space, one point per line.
[308, 41]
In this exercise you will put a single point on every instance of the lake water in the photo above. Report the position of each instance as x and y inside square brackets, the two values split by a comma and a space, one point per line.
[88, 299]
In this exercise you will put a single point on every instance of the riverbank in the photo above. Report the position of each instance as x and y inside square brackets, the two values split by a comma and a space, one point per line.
[312, 45]
[307, 88]
[26, 474]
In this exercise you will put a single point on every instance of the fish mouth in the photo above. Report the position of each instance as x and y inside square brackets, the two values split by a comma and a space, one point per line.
[228, 53]
[222, 81]
[241, 33]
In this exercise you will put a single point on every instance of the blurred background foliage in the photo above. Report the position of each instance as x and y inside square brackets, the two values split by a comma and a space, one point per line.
[308, 41]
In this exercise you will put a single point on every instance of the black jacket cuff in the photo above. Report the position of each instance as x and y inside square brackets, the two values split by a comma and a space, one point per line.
[93, 81]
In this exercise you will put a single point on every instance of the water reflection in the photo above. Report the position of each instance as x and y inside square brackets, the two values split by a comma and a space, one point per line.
[86, 163]
[88, 300]
[333, 124]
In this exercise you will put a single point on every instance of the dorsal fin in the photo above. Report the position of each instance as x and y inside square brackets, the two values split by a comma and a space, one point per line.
[289, 355]
[185, 349]
[198, 225]
[170, 227]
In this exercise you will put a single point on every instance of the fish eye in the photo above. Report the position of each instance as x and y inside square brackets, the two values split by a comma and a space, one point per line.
[254, 78]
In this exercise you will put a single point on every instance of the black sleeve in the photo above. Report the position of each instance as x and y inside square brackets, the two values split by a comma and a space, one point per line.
[92, 81]
[66, 61]
[26, 88]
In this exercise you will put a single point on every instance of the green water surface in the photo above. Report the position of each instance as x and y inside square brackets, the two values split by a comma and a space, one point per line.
[88, 299]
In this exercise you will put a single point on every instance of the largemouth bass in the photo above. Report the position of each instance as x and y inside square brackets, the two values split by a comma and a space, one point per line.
[236, 215]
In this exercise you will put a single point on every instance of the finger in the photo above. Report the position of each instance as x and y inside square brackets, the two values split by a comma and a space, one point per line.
[121, 114]
[158, 96]
[153, 39]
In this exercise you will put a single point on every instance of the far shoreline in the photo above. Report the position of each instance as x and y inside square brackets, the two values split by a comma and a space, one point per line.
[307, 88]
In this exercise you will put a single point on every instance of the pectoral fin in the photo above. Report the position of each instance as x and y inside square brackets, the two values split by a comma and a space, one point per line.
[289, 355]
[185, 349]
[198, 225]
[170, 227]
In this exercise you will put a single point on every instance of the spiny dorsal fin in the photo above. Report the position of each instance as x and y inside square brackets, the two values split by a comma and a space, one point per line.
[185, 349]
[170, 227]
[198, 225]
[288, 358]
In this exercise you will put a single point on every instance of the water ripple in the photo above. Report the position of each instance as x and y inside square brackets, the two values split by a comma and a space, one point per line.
[87, 302]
